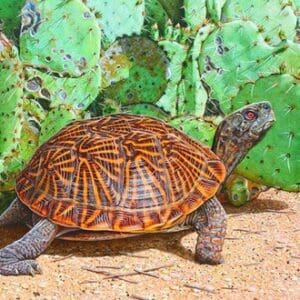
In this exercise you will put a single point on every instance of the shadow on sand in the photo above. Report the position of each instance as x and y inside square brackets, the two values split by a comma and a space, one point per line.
[167, 242]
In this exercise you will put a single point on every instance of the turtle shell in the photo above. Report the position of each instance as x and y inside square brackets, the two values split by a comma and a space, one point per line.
[122, 173]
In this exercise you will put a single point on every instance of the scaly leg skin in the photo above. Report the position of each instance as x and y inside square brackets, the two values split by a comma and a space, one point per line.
[16, 213]
[210, 223]
[18, 257]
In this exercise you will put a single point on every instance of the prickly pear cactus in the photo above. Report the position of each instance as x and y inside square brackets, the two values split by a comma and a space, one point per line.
[118, 18]
[195, 13]
[10, 23]
[276, 19]
[136, 72]
[149, 110]
[78, 92]
[155, 14]
[48, 41]
[11, 102]
[187, 62]
[275, 160]
[196, 128]
[239, 190]
[214, 9]
[55, 120]
[233, 55]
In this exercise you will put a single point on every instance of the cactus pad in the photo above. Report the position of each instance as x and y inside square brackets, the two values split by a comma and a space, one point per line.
[177, 54]
[118, 18]
[146, 79]
[275, 160]
[196, 128]
[11, 101]
[275, 19]
[78, 92]
[194, 13]
[155, 14]
[149, 110]
[48, 38]
[56, 119]
[234, 55]
[9, 16]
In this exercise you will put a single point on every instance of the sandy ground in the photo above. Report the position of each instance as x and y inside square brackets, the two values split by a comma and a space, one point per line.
[261, 253]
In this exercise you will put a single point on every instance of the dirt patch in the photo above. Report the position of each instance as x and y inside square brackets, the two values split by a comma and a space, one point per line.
[261, 261]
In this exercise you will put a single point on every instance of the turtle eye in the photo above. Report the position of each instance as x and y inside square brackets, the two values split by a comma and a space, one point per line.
[250, 115]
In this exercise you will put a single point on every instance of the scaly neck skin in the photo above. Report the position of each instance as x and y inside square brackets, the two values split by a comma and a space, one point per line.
[230, 147]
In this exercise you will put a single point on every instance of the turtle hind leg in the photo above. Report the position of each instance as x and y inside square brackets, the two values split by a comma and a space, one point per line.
[210, 223]
[18, 257]
[16, 213]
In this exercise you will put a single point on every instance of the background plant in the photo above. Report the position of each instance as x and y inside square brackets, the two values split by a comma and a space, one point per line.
[187, 62]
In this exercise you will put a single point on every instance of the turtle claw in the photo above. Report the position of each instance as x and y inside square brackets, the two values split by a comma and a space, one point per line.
[23, 267]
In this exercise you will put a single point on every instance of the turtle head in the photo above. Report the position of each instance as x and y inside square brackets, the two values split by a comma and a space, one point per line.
[240, 131]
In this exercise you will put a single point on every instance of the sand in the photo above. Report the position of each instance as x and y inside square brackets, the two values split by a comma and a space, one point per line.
[261, 253]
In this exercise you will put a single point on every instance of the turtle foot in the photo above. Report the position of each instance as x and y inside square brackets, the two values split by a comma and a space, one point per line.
[208, 253]
[23, 267]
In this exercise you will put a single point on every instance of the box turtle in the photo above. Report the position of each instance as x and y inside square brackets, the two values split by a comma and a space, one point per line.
[122, 175]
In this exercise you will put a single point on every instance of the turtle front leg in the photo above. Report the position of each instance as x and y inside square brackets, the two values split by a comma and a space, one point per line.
[210, 223]
[18, 257]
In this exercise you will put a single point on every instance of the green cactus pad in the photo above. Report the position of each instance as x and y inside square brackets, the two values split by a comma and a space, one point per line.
[118, 18]
[11, 101]
[275, 160]
[149, 110]
[236, 191]
[25, 149]
[155, 14]
[289, 60]
[10, 17]
[146, 78]
[275, 19]
[214, 9]
[59, 36]
[56, 119]
[234, 55]
[195, 98]
[177, 54]
[115, 65]
[194, 13]
[78, 92]
[196, 128]
[174, 9]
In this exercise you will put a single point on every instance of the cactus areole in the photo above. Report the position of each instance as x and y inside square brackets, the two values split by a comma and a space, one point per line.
[122, 175]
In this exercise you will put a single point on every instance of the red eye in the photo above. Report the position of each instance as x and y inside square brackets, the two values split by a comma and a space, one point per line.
[250, 115]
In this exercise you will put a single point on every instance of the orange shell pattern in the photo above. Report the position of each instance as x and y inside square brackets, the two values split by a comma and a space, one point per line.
[121, 173]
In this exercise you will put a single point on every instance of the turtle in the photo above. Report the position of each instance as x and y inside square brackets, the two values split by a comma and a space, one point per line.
[123, 175]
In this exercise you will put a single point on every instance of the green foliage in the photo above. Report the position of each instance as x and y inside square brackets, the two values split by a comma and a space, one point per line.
[214, 9]
[141, 74]
[195, 13]
[55, 120]
[237, 191]
[48, 41]
[233, 55]
[195, 128]
[9, 17]
[118, 18]
[11, 103]
[155, 14]
[275, 160]
[149, 110]
[187, 62]
[78, 92]
[275, 19]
